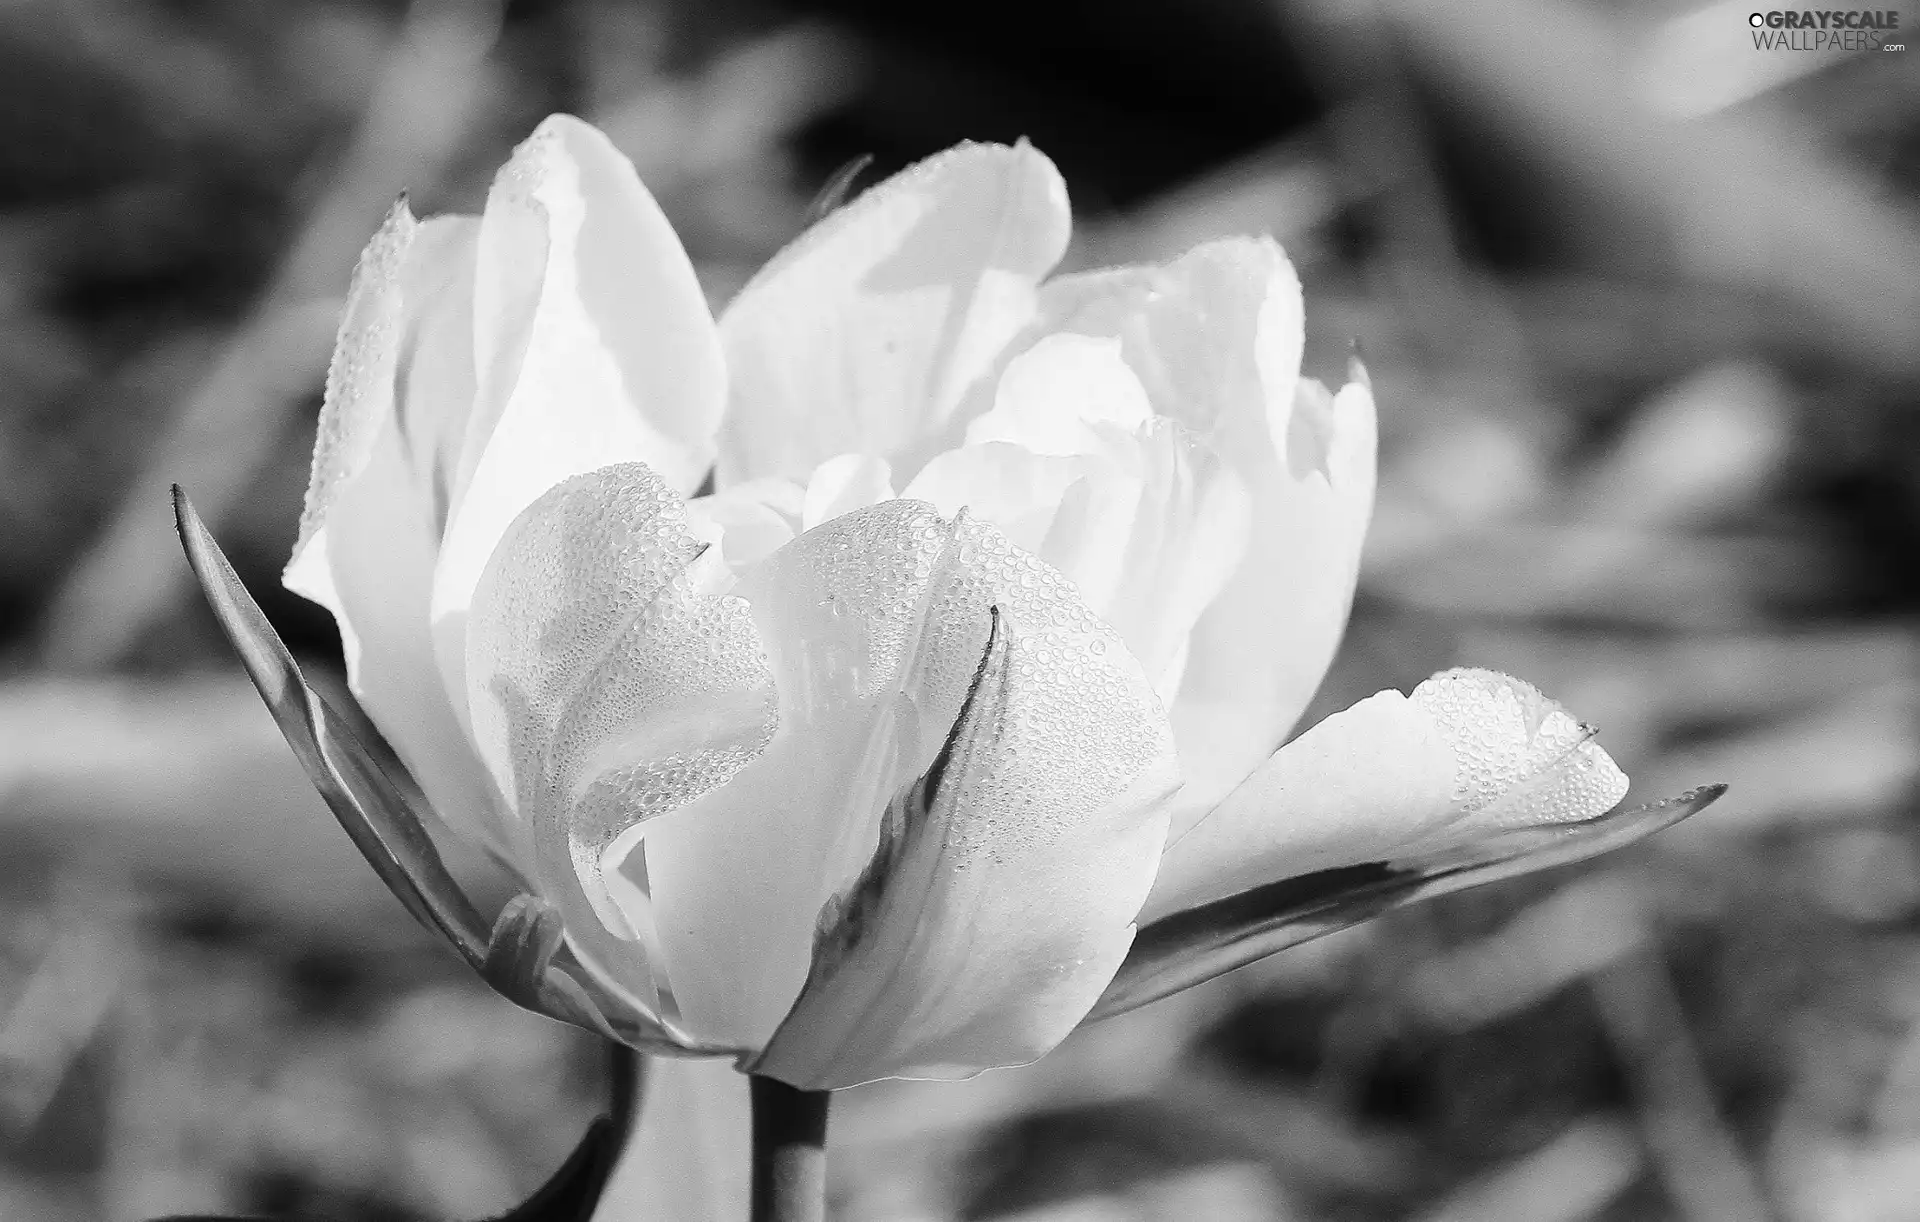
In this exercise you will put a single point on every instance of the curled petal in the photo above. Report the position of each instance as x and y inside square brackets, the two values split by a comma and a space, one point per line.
[1000, 898]
[746, 523]
[736, 878]
[1258, 653]
[606, 691]
[863, 334]
[875, 624]
[1215, 338]
[397, 405]
[1470, 753]
[1140, 512]
[593, 345]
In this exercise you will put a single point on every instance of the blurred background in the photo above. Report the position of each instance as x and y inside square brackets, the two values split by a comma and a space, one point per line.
[1642, 305]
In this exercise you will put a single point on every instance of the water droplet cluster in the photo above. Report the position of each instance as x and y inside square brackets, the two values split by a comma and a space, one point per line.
[519, 180]
[1077, 723]
[360, 375]
[1519, 757]
[1037, 848]
[617, 693]
[841, 605]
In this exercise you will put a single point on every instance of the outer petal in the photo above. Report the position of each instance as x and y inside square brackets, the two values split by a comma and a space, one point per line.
[1259, 652]
[1215, 337]
[1470, 754]
[606, 691]
[863, 334]
[875, 623]
[398, 397]
[1001, 899]
[593, 345]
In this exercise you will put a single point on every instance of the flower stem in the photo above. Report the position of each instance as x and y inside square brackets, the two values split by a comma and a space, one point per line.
[627, 1079]
[789, 1152]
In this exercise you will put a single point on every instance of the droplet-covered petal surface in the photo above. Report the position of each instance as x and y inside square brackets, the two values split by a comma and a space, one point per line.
[1469, 754]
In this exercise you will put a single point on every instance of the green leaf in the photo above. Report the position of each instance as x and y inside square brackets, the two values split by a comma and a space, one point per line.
[1190, 947]
[378, 813]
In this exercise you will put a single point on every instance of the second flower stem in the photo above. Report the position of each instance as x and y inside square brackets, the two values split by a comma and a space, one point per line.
[789, 1152]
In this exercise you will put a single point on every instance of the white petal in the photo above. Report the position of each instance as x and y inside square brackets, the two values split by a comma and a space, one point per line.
[1141, 513]
[1261, 649]
[746, 523]
[738, 876]
[398, 395]
[606, 693]
[1215, 338]
[995, 911]
[991, 921]
[593, 345]
[863, 334]
[1060, 396]
[1018, 491]
[874, 624]
[1524, 759]
[1213, 335]
[844, 484]
[1469, 755]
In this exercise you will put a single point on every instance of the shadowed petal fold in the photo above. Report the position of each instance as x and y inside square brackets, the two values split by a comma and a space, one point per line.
[1002, 893]
[609, 691]
[1140, 512]
[1215, 338]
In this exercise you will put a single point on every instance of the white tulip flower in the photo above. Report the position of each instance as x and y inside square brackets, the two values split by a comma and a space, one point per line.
[885, 677]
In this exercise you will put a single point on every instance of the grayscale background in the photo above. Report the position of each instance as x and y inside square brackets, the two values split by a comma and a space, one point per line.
[1642, 305]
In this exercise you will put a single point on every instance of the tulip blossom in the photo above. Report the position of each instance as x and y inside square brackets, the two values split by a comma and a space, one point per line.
[881, 679]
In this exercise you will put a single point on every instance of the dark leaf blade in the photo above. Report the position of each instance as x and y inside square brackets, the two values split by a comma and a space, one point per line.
[573, 1192]
[1194, 946]
[834, 192]
[375, 812]
[865, 922]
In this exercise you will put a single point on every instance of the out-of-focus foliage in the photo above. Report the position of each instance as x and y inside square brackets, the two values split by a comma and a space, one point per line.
[1643, 310]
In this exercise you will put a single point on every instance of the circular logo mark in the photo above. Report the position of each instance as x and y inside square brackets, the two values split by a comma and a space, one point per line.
[1756, 20]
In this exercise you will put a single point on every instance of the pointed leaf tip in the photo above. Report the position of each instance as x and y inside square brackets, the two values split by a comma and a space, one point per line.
[992, 660]
[838, 187]
[573, 1192]
[373, 810]
[1198, 944]
[1357, 365]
